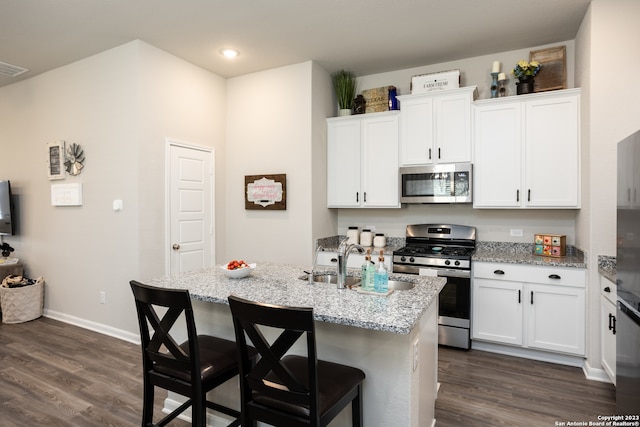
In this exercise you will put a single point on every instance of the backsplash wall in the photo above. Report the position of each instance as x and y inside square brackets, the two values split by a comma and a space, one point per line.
[491, 224]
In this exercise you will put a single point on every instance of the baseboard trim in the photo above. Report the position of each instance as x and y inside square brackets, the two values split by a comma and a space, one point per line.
[596, 374]
[527, 353]
[133, 338]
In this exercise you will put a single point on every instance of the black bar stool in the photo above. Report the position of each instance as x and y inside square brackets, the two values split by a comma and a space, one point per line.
[190, 369]
[289, 390]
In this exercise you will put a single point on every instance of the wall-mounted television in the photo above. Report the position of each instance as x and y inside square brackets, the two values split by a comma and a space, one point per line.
[6, 210]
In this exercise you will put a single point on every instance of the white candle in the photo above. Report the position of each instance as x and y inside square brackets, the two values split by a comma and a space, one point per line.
[496, 67]
[502, 76]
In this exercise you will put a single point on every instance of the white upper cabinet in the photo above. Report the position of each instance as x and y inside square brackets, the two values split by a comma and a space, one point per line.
[436, 127]
[527, 151]
[362, 161]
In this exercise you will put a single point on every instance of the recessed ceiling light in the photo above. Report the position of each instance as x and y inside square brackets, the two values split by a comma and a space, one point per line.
[229, 53]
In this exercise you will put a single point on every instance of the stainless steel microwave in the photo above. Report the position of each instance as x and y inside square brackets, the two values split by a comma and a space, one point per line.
[443, 183]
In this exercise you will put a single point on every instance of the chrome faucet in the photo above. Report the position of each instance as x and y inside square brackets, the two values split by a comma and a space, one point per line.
[344, 250]
[315, 263]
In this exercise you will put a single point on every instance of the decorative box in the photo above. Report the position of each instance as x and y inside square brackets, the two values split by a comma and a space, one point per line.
[377, 99]
[554, 245]
[434, 82]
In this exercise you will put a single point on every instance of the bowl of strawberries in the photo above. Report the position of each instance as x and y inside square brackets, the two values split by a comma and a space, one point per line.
[237, 269]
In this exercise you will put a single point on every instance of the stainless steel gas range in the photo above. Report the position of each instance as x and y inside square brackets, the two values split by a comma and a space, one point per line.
[445, 251]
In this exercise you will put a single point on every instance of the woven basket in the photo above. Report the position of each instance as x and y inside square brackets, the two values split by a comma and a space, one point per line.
[22, 304]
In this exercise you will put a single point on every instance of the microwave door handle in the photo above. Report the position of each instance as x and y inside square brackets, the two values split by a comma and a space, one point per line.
[429, 153]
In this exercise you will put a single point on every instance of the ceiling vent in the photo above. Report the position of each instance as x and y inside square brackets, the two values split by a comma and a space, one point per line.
[11, 70]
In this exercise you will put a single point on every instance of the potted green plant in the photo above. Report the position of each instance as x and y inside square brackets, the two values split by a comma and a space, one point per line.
[344, 85]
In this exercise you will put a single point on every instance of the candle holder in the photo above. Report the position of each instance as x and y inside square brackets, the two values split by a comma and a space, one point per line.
[502, 88]
[494, 85]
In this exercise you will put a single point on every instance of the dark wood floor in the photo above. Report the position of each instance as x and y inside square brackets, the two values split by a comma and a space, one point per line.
[54, 374]
[485, 389]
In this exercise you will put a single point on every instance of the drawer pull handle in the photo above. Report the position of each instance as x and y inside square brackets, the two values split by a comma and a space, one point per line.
[519, 296]
[607, 289]
[531, 297]
[498, 272]
[334, 259]
[554, 276]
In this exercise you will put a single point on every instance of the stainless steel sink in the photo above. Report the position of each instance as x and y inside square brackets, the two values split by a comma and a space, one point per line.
[400, 285]
[333, 278]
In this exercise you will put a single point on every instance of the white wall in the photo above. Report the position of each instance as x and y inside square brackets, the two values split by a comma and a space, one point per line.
[607, 36]
[274, 128]
[492, 224]
[119, 106]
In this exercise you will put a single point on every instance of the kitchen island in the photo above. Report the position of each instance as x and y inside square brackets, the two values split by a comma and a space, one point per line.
[393, 338]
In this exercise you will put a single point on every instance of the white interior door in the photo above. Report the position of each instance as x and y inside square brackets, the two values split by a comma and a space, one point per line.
[190, 207]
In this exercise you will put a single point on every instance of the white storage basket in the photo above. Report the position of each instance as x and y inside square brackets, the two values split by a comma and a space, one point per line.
[22, 304]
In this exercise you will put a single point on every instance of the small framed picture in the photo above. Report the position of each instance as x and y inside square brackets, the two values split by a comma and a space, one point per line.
[553, 73]
[55, 160]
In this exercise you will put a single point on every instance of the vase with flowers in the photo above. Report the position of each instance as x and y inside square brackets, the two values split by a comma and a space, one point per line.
[525, 72]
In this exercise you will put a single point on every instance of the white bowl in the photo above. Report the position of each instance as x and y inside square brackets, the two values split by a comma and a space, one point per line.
[238, 273]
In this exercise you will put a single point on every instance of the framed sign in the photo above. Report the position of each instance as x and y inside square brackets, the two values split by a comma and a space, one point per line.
[265, 192]
[55, 160]
[553, 73]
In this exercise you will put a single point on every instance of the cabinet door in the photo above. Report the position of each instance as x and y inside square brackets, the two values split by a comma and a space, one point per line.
[552, 152]
[343, 163]
[497, 311]
[556, 318]
[497, 157]
[608, 337]
[453, 128]
[379, 183]
[416, 147]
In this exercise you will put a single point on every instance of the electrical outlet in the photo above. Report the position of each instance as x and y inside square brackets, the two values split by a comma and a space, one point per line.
[516, 232]
[415, 355]
[103, 297]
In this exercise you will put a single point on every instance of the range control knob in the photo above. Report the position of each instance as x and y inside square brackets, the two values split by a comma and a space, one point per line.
[447, 262]
[412, 259]
[457, 262]
[403, 258]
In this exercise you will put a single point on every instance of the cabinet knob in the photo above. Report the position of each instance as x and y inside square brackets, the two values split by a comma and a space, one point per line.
[498, 272]
[176, 246]
[607, 289]
[554, 276]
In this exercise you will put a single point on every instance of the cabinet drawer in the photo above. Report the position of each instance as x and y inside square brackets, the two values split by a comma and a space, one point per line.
[575, 277]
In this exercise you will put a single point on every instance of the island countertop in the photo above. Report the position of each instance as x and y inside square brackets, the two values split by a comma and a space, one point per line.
[280, 284]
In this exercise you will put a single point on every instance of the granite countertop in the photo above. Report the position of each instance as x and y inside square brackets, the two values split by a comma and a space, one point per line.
[607, 267]
[522, 253]
[280, 284]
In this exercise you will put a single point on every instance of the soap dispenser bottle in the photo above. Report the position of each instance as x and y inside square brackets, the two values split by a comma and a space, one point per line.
[381, 276]
[367, 272]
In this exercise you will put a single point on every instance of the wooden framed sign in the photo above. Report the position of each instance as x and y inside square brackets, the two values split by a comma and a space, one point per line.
[553, 73]
[265, 192]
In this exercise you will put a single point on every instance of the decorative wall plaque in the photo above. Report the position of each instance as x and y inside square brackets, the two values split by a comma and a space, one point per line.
[55, 160]
[553, 73]
[265, 192]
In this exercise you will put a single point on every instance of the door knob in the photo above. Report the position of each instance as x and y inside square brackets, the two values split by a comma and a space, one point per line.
[176, 246]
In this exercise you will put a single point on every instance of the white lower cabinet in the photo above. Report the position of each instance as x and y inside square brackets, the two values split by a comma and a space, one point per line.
[608, 313]
[535, 307]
